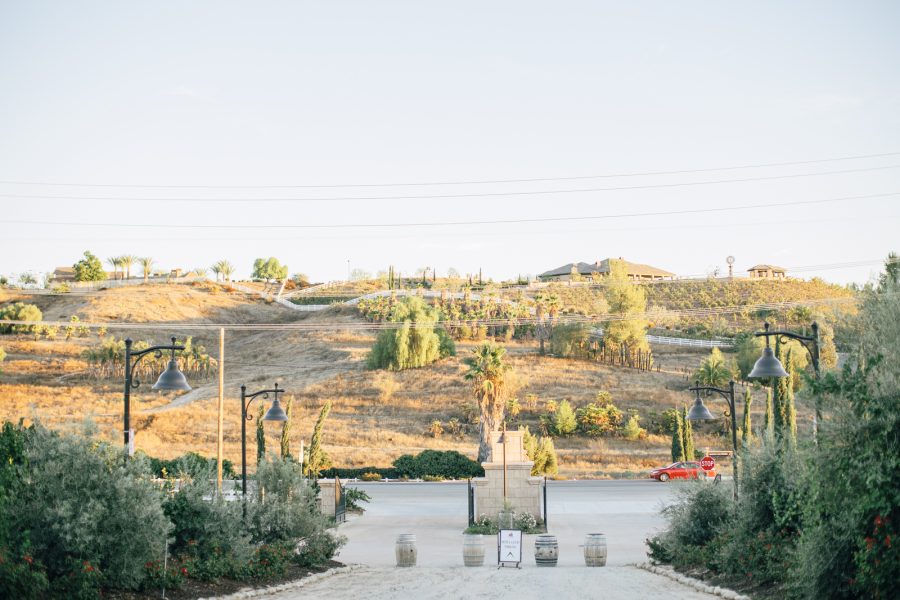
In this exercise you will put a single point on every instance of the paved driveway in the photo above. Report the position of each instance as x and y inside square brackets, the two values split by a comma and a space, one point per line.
[626, 511]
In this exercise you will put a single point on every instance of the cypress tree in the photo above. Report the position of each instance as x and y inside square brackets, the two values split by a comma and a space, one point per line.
[286, 429]
[678, 439]
[316, 457]
[790, 412]
[688, 432]
[768, 422]
[778, 411]
[747, 434]
[260, 434]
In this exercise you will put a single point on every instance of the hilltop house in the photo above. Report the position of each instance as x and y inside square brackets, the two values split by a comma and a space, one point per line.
[635, 271]
[766, 272]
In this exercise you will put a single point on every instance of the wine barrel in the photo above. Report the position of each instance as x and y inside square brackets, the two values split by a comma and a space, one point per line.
[546, 550]
[595, 550]
[406, 550]
[473, 550]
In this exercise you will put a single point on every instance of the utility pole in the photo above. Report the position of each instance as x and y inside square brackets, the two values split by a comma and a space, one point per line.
[221, 410]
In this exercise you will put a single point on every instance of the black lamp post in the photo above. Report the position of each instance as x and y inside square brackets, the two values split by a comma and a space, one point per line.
[275, 413]
[768, 364]
[699, 412]
[171, 380]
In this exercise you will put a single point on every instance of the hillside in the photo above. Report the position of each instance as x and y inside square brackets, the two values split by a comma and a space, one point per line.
[376, 415]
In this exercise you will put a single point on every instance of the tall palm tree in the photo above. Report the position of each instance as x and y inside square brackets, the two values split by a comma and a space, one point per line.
[227, 270]
[115, 262]
[216, 268]
[127, 261]
[487, 372]
[147, 266]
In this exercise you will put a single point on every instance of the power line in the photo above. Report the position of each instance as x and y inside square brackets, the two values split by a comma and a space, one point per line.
[452, 182]
[453, 196]
[457, 223]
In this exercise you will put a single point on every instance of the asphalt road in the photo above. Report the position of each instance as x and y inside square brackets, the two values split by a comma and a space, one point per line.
[626, 511]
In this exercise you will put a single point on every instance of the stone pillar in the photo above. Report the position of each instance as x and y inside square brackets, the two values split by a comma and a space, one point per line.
[326, 497]
[523, 490]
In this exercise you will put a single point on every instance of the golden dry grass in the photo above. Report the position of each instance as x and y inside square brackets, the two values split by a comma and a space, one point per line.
[376, 415]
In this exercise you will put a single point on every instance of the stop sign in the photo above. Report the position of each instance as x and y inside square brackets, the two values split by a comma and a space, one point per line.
[707, 463]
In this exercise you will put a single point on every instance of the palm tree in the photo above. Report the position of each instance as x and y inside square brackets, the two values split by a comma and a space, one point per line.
[115, 262]
[714, 371]
[126, 260]
[216, 269]
[487, 371]
[147, 266]
[227, 269]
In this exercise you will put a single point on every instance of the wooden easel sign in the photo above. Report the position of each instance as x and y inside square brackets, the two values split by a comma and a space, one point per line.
[509, 548]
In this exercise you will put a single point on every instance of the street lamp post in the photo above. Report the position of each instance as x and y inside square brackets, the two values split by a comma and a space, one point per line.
[170, 380]
[768, 364]
[699, 412]
[275, 413]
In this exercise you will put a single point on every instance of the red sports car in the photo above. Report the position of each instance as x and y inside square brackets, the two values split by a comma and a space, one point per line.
[681, 470]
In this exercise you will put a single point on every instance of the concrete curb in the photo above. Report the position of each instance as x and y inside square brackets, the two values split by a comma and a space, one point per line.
[284, 587]
[691, 582]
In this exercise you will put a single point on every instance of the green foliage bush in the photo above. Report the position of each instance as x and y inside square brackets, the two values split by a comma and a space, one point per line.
[191, 465]
[600, 417]
[541, 451]
[414, 343]
[564, 422]
[571, 340]
[286, 512]
[208, 534]
[75, 498]
[19, 311]
[89, 268]
[818, 521]
[449, 464]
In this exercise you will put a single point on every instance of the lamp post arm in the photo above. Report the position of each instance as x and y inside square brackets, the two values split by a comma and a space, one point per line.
[140, 354]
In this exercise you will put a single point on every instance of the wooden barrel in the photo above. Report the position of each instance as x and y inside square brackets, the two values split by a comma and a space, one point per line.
[473, 550]
[406, 550]
[546, 550]
[595, 550]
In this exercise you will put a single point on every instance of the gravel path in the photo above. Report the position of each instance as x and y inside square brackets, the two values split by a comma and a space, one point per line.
[528, 583]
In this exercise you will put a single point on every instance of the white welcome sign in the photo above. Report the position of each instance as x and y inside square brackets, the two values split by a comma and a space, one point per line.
[509, 548]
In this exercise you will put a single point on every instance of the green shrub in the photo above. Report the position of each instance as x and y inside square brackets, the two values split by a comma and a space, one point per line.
[699, 514]
[600, 417]
[564, 422]
[207, 531]
[414, 343]
[571, 340]
[633, 430]
[285, 511]
[353, 496]
[19, 311]
[78, 500]
[449, 464]
[190, 465]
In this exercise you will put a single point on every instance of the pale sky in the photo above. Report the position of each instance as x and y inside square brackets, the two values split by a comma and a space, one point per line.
[214, 93]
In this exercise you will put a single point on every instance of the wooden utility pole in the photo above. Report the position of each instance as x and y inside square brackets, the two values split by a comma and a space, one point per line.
[221, 409]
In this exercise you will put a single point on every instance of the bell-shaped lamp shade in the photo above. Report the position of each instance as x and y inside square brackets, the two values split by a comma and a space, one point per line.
[172, 380]
[276, 413]
[767, 366]
[699, 412]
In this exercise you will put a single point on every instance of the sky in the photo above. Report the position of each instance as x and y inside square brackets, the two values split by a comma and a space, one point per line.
[594, 99]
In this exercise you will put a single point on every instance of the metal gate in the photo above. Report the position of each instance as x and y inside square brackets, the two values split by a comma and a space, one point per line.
[471, 494]
[340, 502]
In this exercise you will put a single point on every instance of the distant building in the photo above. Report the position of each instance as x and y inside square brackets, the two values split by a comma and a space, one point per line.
[635, 271]
[63, 274]
[766, 272]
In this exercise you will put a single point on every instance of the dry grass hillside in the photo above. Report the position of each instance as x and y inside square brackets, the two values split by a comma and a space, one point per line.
[376, 416]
